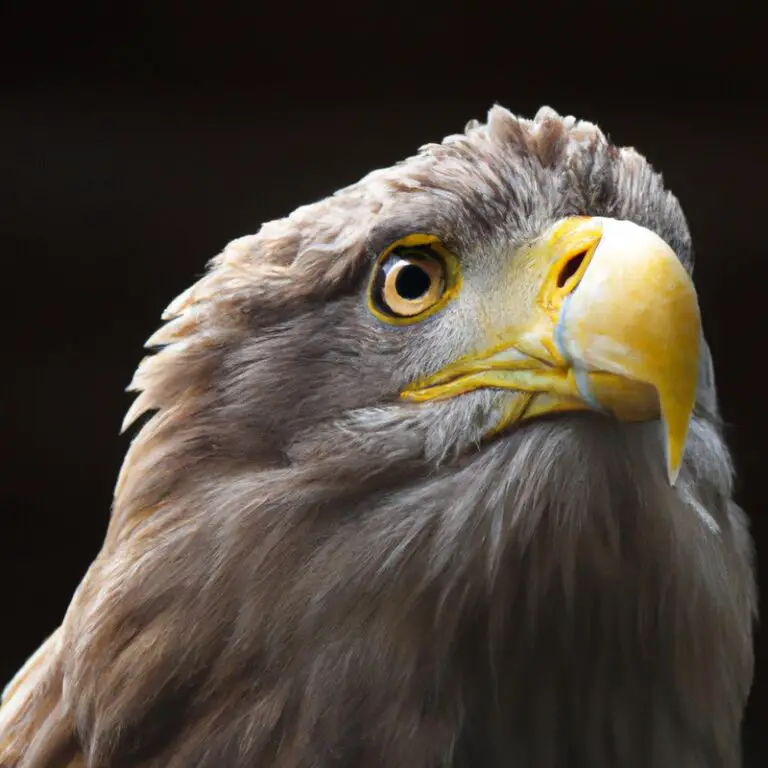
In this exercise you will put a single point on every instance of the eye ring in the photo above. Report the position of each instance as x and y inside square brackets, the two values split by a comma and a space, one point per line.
[413, 278]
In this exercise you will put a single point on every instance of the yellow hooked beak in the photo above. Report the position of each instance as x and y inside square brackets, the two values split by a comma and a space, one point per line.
[598, 314]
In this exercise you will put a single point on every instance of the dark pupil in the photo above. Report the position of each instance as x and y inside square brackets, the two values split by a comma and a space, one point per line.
[412, 282]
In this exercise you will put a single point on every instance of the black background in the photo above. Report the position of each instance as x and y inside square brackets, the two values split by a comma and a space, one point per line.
[135, 143]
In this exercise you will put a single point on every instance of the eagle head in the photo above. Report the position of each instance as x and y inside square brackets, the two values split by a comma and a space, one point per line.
[433, 477]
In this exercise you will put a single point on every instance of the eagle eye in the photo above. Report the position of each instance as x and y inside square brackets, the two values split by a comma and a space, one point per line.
[409, 282]
[413, 278]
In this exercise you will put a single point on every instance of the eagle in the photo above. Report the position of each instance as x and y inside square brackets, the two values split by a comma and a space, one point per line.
[430, 474]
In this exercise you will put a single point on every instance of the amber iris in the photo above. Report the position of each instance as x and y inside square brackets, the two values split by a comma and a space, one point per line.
[409, 282]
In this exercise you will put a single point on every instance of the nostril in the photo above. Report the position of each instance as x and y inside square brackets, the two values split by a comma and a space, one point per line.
[570, 268]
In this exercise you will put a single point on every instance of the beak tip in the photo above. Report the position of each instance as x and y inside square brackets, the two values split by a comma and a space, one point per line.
[675, 438]
[672, 473]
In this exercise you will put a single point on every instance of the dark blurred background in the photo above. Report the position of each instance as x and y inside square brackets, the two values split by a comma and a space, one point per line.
[137, 139]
